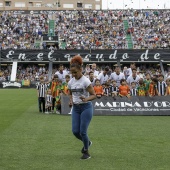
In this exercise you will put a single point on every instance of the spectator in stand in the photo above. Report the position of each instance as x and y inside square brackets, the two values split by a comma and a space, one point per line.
[87, 29]
[150, 29]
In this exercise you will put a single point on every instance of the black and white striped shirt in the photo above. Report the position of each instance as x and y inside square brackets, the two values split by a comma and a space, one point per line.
[133, 92]
[114, 89]
[49, 98]
[161, 87]
[42, 88]
[107, 91]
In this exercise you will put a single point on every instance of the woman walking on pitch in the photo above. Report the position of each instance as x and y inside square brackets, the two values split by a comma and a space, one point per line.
[81, 93]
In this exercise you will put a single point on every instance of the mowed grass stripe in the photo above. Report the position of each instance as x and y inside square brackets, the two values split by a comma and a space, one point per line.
[33, 140]
[135, 142]
[13, 102]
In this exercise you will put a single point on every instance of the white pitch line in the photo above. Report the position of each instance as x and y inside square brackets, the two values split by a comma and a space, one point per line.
[102, 109]
[164, 109]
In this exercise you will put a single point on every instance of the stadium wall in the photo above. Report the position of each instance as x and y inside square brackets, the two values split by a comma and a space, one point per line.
[114, 55]
[122, 106]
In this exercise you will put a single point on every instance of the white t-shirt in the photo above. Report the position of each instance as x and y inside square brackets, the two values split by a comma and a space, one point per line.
[96, 73]
[62, 76]
[103, 78]
[117, 77]
[128, 71]
[92, 82]
[130, 79]
[78, 88]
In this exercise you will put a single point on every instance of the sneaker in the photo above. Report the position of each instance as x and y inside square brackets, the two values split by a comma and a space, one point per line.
[57, 112]
[82, 150]
[86, 155]
[46, 112]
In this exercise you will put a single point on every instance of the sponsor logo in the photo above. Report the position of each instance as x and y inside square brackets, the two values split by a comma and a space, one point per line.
[133, 106]
[11, 84]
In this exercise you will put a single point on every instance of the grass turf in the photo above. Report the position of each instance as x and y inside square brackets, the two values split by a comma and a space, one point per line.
[30, 140]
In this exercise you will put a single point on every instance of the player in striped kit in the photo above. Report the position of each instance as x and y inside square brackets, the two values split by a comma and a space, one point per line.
[114, 89]
[41, 92]
[161, 85]
[107, 89]
[133, 89]
[49, 99]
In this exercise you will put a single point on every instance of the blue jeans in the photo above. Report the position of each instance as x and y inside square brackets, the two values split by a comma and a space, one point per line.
[81, 117]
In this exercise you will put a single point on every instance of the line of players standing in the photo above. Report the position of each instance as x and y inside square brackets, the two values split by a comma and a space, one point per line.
[118, 84]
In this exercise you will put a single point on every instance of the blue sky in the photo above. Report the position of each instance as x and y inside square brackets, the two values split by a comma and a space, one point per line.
[136, 4]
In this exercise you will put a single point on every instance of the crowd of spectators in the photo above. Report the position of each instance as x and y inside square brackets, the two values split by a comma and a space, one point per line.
[87, 29]
[21, 31]
[150, 29]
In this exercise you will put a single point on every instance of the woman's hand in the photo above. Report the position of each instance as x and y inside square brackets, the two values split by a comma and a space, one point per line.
[70, 104]
[83, 99]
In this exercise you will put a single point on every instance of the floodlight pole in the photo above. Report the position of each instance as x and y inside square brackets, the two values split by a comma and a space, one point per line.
[162, 67]
[0, 58]
[50, 70]
[118, 63]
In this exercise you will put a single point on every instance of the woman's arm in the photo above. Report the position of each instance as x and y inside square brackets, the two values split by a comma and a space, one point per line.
[92, 95]
[71, 98]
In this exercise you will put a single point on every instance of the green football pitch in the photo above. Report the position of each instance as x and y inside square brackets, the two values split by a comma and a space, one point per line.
[30, 140]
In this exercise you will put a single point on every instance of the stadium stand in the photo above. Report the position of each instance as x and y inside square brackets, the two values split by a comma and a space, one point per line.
[117, 29]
